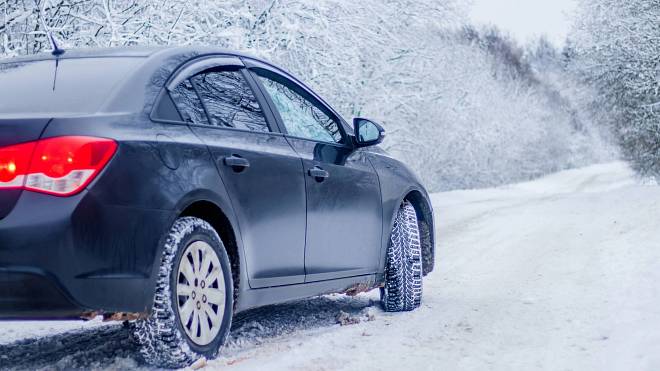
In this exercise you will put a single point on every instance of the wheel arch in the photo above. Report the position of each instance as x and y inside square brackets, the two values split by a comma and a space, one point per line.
[217, 211]
[210, 212]
[424, 212]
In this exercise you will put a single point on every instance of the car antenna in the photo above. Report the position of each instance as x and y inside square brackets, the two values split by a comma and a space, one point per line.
[55, 50]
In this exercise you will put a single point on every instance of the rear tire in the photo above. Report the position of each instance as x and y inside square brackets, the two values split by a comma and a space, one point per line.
[194, 283]
[403, 269]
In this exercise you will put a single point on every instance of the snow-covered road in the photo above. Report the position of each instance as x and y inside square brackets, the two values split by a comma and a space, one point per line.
[561, 273]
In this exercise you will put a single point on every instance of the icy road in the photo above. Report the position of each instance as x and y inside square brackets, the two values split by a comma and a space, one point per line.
[562, 273]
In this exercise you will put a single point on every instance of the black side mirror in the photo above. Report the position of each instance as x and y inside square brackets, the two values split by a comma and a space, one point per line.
[367, 132]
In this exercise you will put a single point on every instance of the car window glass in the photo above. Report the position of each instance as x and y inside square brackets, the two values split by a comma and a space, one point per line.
[229, 101]
[165, 109]
[70, 86]
[189, 105]
[301, 117]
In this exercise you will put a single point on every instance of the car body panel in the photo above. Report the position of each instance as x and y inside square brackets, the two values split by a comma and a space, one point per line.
[269, 200]
[104, 264]
[272, 295]
[398, 183]
[344, 213]
[14, 131]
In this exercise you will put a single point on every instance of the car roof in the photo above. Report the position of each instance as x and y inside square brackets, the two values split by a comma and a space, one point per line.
[136, 91]
[126, 51]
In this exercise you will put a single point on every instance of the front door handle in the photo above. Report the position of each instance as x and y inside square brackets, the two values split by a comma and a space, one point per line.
[237, 163]
[318, 174]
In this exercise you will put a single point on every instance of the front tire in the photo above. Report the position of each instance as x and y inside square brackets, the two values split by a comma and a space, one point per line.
[403, 270]
[193, 302]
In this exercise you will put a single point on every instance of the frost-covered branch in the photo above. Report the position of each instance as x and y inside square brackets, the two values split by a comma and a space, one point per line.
[462, 106]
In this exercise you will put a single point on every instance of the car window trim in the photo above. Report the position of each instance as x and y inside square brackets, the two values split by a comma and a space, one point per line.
[220, 63]
[183, 123]
[269, 101]
[233, 129]
[336, 144]
[169, 93]
[159, 98]
[241, 70]
[311, 98]
[251, 64]
[269, 115]
[344, 143]
[196, 66]
[201, 100]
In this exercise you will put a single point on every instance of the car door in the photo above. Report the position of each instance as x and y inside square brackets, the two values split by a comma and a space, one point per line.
[344, 209]
[260, 170]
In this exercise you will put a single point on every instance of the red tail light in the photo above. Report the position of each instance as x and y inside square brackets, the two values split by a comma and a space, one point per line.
[14, 164]
[60, 166]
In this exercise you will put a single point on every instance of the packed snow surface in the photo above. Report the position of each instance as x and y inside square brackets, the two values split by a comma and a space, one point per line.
[560, 273]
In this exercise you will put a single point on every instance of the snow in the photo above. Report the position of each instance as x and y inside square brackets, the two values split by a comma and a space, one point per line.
[557, 273]
[12, 331]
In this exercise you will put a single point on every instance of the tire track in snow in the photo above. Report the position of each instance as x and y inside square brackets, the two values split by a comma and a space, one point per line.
[112, 347]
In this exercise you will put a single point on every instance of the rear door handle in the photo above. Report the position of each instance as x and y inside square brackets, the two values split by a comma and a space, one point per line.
[236, 162]
[318, 173]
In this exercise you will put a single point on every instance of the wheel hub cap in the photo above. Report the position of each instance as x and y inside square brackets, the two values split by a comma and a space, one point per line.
[200, 274]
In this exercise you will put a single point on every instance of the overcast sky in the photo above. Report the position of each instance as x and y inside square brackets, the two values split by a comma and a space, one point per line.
[526, 19]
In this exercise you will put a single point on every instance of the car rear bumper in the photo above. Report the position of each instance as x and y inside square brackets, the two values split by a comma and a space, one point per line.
[28, 293]
[61, 257]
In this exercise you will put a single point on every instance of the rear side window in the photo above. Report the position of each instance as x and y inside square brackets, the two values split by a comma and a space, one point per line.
[229, 101]
[189, 105]
[70, 86]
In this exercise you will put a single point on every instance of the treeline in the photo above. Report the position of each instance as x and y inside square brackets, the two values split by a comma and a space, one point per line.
[465, 107]
[615, 48]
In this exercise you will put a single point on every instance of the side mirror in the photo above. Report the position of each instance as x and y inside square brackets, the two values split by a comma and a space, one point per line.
[367, 132]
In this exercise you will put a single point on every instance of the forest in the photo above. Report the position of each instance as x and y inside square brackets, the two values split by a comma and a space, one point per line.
[465, 106]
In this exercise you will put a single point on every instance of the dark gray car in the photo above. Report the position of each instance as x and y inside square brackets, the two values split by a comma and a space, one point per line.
[175, 187]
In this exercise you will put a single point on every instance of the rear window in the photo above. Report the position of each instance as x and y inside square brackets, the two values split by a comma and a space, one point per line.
[70, 87]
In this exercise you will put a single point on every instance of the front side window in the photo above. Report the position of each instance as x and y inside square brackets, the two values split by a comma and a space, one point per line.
[189, 104]
[301, 117]
[229, 101]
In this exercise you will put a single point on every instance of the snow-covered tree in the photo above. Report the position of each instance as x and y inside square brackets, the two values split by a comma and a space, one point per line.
[463, 108]
[616, 47]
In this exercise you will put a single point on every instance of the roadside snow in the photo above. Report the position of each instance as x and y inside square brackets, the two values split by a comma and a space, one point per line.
[560, 273]
[18, 330]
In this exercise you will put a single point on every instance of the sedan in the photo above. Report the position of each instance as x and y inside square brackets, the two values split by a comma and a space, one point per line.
[175, 187]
